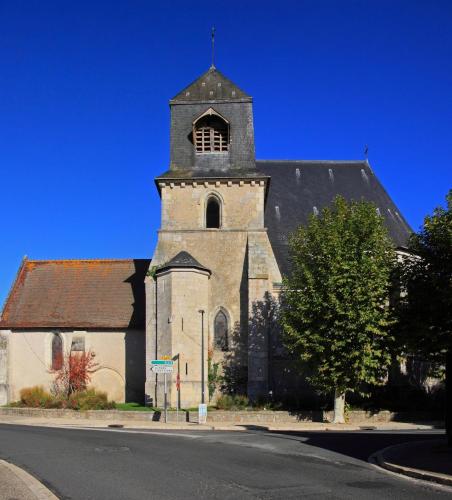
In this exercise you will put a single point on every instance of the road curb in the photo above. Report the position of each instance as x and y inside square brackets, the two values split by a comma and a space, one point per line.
[433, 477]
[35, 486]
[210, 426]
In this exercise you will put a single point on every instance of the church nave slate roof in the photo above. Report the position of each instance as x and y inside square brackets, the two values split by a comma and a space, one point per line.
[299, 188]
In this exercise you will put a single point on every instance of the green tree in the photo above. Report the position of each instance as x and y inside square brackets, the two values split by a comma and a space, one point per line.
[335, 313]
[426, 304]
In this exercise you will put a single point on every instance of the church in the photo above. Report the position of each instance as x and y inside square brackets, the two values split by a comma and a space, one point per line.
[208, 297]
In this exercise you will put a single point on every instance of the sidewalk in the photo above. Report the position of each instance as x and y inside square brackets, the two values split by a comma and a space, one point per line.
[217, 426]
[428, 460]
[18, 484]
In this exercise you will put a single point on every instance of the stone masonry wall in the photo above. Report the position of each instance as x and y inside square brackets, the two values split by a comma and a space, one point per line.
[3, 369]
[116, 356]
[184, 204]
[182, 293]
[242, 241]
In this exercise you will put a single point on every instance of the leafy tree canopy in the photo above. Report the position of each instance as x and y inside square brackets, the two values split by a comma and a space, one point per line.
[426, 305]
[335, 310]
[425, 310]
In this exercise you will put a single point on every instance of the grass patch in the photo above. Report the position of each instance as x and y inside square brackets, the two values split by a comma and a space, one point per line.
[133, 407]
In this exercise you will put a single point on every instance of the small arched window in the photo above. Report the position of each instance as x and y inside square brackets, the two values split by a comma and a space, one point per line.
[213, 213]
[211, 133]
[57, 352]
[221, 331]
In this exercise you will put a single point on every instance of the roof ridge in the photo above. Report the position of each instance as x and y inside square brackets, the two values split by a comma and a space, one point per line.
[313, 161]
[58, 261]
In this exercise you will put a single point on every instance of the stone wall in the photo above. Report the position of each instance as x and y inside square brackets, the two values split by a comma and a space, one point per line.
[243, 271]
[228, 417]
[119, 356]
[3, 369]
[184, 203]
[181, 294]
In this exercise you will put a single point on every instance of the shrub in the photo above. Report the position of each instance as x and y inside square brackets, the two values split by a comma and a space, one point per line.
[75, 373]
[35, 397]
[89, 400]
[232, 402]
[38, 397]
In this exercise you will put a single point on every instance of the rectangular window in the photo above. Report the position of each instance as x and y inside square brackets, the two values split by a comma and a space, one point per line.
[78, 344]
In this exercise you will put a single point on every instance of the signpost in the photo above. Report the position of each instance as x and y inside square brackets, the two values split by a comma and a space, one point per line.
[202, 413]
[164, 366]
[178, 395]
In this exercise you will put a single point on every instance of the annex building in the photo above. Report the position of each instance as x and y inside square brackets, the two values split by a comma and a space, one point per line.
[208, 295]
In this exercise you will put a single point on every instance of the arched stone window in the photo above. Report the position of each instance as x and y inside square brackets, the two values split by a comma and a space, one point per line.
[211, 133]
[213, 212]
[57, 352]
[220, 328]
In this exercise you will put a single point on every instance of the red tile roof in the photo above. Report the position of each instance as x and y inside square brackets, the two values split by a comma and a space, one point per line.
[77, 293]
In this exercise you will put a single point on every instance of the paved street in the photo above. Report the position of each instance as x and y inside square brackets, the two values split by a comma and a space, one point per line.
[113, 464]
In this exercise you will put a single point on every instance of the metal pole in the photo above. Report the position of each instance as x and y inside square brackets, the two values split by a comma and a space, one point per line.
[213, 47]
[166, 411]
[177, 394]
[178, 390]
[202, 356]
[156, 389]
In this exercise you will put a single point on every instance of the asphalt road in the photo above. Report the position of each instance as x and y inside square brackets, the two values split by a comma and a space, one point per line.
[94, 464]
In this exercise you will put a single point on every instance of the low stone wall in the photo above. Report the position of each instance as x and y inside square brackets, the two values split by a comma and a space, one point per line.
[384, 416]
[221, 416]
[258, 417]
[133, 416]
[352, 417]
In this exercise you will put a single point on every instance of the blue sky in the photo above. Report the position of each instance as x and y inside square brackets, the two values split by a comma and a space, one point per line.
[84, 90]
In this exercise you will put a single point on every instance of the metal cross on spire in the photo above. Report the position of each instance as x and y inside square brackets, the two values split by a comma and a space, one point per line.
[213, 47]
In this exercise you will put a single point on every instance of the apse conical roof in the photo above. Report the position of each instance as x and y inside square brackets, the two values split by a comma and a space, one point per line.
[182, 259]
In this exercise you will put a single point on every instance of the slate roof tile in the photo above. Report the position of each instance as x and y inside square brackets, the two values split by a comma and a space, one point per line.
[211, 86]
[299, 188]
[181, 260]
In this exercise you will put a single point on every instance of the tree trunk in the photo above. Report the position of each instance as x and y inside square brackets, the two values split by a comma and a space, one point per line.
[339, 407]
[449, 397]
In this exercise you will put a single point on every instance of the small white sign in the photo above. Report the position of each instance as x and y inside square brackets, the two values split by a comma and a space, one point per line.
[162, 368]
[202, 414]
[162, 365]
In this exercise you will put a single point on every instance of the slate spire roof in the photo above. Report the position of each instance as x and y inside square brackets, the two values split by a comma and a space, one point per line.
[211, 86]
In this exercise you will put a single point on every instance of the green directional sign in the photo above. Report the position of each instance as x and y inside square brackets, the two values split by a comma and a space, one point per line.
[164, 362]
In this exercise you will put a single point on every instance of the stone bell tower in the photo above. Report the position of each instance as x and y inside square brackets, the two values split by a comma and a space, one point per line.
[213, 252]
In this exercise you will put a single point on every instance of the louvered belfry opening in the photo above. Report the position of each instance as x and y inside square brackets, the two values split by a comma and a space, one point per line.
[211, 135]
